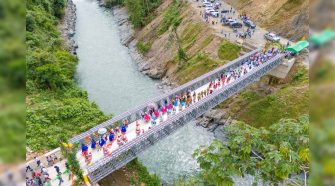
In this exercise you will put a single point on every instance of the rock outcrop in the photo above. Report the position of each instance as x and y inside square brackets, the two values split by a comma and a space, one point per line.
[67, 27]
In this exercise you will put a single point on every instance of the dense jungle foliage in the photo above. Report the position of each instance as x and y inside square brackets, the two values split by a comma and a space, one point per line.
[56, 107]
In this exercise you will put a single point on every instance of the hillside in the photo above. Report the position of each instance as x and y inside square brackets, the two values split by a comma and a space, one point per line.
[205, 50]
[160, 45]
[289, 18]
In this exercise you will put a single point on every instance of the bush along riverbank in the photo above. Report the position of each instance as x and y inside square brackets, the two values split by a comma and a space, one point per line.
[56, 106]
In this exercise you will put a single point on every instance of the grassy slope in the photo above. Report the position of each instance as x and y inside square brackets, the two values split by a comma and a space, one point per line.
[202, 63]
[290, 101]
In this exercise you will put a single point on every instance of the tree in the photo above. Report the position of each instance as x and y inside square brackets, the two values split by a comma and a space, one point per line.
[50, 76]
[58, 7]
[274, 155]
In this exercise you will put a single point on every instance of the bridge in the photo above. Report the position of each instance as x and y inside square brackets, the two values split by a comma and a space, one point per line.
[123, 154]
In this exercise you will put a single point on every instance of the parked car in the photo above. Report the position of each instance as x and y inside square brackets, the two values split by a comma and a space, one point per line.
[215, 13]
[249, 24]
[235, 24]
[207, 4]
[228, 21]
[209, 9]
[224, 11]
[271, 37]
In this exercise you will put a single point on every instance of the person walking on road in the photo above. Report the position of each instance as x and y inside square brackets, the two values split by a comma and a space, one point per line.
[59, 177]
[38, 161]
[28, 168]
[57, 169]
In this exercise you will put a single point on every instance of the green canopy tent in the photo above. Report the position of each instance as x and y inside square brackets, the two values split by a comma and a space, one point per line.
[323, 37]
[296, 48]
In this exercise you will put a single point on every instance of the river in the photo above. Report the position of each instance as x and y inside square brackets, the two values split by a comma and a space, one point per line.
[110, 76]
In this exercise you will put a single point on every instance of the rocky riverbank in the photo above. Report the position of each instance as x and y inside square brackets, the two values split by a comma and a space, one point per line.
[68, 27]
[128, 40]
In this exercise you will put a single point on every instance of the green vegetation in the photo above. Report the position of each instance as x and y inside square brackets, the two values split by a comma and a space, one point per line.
[291, 4]
[141, 11]
[142, 174]
[56, 107]
[110, 3]
[143, 47]
[322, 111]
[228, 51]
[323, 72]
[12, 81]
[72, 163]
[289, 102]
[170, 16]
[206, 42]
[201, 63]
[189, 35]
[196, 66]
[273, 155]
[270, 44]
[12, 119]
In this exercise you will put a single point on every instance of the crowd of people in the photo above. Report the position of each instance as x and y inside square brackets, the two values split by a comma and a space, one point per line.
[155, 113]
[37, 174]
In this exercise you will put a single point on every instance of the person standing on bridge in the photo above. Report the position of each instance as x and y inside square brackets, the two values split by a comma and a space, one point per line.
[93, 143]
[156, 113]
[102, 142]
[118, 140]
[123, 130]
[147, 118]
[117, 130]
[175, 104]
[111, 136]
[84, 148]
[170, 108]
[126, 122]
[138, 129]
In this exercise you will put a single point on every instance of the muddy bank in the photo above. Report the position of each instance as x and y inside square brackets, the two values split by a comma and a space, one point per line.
[67, 27]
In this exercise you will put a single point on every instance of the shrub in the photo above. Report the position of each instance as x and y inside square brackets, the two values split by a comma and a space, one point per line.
[143, 47]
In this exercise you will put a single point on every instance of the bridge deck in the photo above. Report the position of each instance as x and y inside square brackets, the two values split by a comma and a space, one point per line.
[133, 114]
[131, 131]
[122, 155]
[98, 168]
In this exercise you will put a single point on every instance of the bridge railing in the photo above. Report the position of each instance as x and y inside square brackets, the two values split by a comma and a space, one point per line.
[130, 150]
[135, 113]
